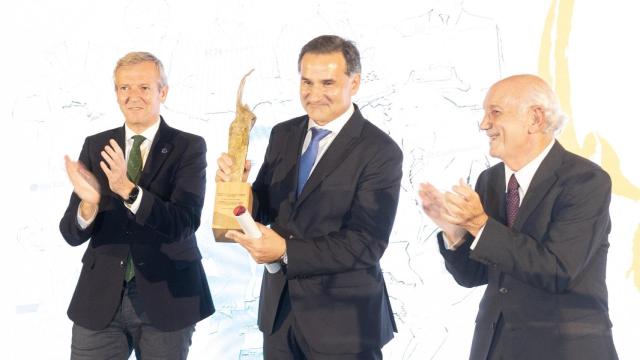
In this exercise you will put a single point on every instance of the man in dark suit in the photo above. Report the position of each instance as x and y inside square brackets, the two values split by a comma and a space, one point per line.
[329, 229]
[138, 195]
[535, 230]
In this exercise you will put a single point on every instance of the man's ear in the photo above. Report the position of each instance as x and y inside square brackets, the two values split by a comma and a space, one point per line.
[163, 93]
[538, 121]
[355, 83]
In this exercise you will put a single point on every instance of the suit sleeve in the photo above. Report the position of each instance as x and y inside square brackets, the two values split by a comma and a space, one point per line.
[577, 228]
[177, 216]
[260, 187]
[364, 235]
[466, 271]
[69, 227]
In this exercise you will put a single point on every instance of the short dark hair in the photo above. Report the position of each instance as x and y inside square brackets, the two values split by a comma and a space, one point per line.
[326, 44]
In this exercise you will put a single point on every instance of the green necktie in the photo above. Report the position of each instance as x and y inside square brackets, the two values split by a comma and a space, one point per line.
[134, 168]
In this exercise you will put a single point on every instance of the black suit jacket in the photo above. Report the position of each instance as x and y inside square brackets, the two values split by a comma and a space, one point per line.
[160, 236]
[336, 232]
[546, 274]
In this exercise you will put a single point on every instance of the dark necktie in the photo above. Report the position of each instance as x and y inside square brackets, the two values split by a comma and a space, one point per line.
[134, 168]
[134, 165]
[513, 200]
[308, 158]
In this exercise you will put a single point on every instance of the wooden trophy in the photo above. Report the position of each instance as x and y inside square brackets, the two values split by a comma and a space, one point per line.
[235, 192]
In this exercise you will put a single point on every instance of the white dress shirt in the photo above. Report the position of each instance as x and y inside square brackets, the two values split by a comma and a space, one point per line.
[148, 134]
[334, 126]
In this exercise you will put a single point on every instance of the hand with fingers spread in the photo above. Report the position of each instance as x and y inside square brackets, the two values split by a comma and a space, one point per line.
[225, 164]
[433, 204]
[267, 249]
[463, 208]
[114, 166]
[85, 185]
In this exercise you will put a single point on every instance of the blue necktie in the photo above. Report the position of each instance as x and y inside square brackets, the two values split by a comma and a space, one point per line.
[308, 158]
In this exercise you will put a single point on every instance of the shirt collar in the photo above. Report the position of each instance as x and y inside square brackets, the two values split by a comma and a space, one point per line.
[148, 134]
[334, 125]
[525, 175]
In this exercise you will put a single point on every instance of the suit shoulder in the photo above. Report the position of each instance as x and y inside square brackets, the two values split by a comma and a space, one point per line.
[189, 137]
[492, 171]
[106, 134]
[374, 134]
[291, 123]
[576, 167]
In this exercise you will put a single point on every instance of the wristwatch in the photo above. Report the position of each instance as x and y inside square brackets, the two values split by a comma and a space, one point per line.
[133, 195]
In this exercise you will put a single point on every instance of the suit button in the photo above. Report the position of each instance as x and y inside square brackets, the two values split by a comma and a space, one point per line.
[121, 263]
[503, 290]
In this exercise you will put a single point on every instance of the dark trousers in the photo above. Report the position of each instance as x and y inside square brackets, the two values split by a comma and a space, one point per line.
[287, 343]
[587, 345]
[130, 330]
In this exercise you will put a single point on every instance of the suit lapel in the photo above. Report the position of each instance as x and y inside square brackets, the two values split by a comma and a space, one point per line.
[335, 154]
[495, 199]
[159, 152]
[541, 183]
[294, 140]
[118, 136]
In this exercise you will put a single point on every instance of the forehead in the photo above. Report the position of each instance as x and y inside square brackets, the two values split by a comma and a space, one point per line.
[322, 63]
[141, 72]
[500, 95]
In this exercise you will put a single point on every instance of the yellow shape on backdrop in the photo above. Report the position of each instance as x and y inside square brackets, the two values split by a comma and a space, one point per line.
[553, 54]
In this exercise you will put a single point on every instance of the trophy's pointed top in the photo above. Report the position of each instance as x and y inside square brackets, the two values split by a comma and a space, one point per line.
[241, 89]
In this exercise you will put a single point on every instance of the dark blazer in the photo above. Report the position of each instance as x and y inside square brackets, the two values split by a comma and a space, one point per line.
[336, 233]
[160, 236]
[546, 274]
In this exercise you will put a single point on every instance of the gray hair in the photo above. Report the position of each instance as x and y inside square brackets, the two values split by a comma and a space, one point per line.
[542, 95]
[137, 57]
[326, 44]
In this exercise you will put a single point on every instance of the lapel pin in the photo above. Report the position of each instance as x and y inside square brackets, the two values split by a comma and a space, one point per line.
[164, 150]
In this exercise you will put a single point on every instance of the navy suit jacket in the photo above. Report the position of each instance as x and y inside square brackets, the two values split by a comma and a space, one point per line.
[545, 274]
[336, 232]
[160, 236]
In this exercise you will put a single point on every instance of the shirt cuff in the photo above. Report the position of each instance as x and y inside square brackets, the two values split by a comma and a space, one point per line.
[449, 245]
[136, 204]
[475, 241]
[84, 224]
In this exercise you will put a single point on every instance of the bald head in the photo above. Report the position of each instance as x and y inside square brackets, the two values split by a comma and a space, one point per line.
[521, 115]
[530, 91]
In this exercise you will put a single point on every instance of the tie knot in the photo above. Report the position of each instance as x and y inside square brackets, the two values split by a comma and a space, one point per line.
[513, 183]
[318, 134]
[137, 140]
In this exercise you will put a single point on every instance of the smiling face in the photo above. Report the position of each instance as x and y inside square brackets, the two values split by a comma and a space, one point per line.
[514, 125]
[325, 87]
[139, 94]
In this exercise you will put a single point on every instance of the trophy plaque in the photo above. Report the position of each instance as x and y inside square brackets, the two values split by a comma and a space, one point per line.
[230, 194]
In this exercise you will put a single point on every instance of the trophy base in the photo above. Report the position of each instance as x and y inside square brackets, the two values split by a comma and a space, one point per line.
[228, 196]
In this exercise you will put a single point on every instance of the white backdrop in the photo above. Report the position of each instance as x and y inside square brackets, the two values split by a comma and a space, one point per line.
[426, 66]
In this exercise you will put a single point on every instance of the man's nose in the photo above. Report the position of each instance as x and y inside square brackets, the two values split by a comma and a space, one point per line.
[315, 93]
[485, 123]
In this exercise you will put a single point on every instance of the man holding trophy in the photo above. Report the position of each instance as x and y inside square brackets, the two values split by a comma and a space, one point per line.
[325, 200]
